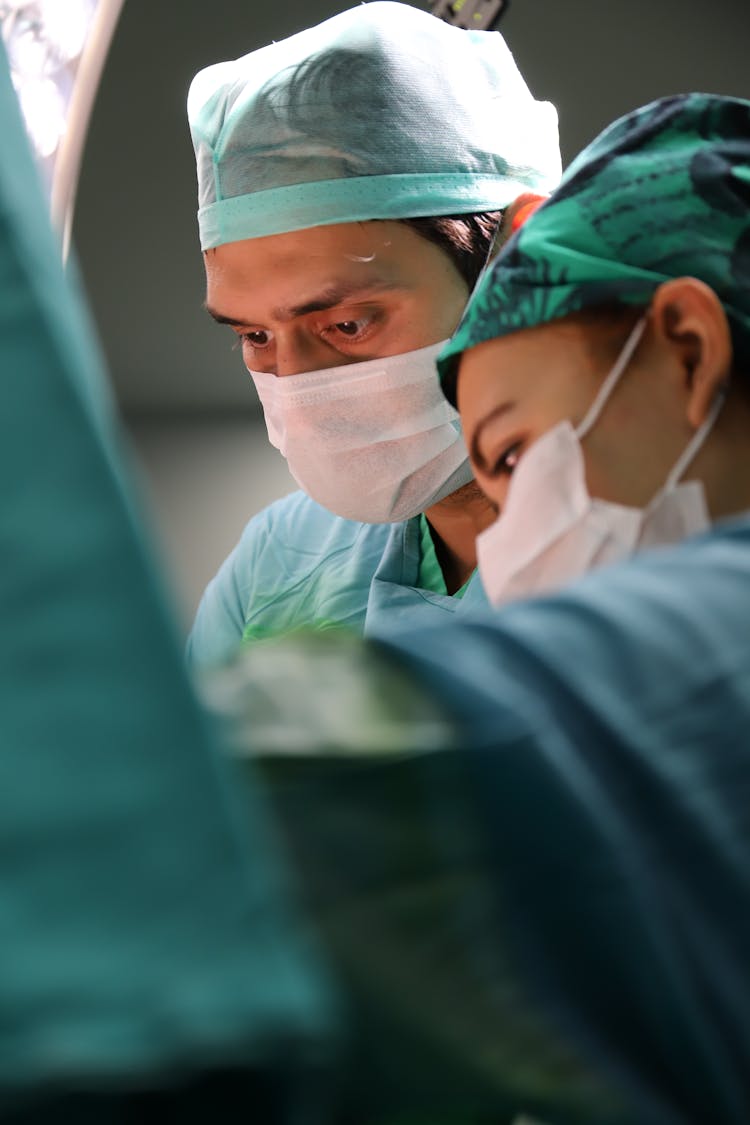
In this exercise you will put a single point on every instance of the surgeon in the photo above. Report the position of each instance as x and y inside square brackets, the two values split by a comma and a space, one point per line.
[603, 377]
[352, 179]
[586, 470]
[573, 862]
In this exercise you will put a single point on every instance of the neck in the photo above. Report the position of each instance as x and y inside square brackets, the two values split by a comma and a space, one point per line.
[723, 464]
[455, 523]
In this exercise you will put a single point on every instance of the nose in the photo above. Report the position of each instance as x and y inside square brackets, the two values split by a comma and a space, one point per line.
[298, 353]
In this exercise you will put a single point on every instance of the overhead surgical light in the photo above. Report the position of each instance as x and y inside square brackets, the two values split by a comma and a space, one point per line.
[56, 51]
[471, 15]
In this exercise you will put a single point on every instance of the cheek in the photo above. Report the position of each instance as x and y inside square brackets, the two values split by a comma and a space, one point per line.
[449, 309]
[440, 305]
[494, 489]
[617, 471]
[422, 322]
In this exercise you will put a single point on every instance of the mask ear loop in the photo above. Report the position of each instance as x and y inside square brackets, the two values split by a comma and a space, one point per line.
[697, 440]
[593, 412]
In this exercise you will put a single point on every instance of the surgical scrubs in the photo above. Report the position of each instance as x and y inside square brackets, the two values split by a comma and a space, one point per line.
[298, 565]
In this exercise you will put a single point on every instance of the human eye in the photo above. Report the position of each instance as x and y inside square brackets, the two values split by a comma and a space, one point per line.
[256, 339]
[506, 462]
[351, 330]
[494, 459]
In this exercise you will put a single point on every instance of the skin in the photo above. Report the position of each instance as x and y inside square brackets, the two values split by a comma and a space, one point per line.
[513, 389]
[335, 295]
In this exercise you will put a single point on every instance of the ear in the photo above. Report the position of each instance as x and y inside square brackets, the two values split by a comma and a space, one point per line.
[515, 215]
[689, 319]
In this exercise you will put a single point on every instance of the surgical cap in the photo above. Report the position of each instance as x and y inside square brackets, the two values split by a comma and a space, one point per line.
[664, 192]
[382, 112]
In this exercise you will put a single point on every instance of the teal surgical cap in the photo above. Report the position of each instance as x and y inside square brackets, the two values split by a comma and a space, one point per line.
[382, 112]
[664, 192]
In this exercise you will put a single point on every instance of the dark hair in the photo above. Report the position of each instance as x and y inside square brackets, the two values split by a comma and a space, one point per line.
[466, 239]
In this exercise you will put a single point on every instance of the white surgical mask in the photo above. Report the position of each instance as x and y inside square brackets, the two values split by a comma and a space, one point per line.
[374, 441]
[551, 530]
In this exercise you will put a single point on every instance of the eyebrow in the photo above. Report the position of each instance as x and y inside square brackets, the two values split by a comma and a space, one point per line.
[328, 298]
[474, 450]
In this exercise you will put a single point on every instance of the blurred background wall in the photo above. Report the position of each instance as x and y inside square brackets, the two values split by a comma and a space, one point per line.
[189, 406]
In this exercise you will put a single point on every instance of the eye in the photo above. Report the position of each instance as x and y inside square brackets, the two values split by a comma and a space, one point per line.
[258, 338]
[506, 462]
[349, 329]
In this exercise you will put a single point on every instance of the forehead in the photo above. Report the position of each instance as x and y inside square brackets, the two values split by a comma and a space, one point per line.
[359, 252]
[524, 363]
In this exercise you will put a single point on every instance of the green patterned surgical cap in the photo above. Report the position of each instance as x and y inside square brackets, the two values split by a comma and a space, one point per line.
[663, 192]
[381, 112]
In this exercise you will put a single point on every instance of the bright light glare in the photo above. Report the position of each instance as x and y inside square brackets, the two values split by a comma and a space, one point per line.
[66, 25]
[27, 53]
[44, 40]
[56, 50]
[43, 108]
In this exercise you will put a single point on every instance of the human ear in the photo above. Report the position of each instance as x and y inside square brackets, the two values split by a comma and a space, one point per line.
[690, 320]
[514, 216]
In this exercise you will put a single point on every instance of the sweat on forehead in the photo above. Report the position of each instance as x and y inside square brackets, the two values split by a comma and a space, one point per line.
[286, 276]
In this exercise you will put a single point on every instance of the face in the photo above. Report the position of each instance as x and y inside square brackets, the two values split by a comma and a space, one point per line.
[512, 390]
[334, 295]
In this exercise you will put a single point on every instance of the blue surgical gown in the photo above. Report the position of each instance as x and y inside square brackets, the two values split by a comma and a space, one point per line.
[298, 565]
[552, 891]
[607, 731]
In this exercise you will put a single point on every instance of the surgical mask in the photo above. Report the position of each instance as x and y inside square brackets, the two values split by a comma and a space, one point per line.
[552, 531]
[375, 441]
